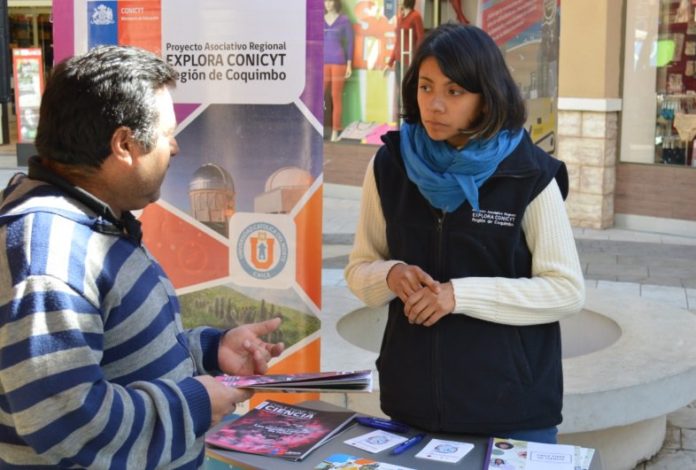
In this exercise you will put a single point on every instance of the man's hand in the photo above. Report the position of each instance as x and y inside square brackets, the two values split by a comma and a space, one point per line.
[404, 280]
[426, 307]
[243, 352]
[223, 399]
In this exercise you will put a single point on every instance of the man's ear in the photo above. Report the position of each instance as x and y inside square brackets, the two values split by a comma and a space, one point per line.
[121, 144]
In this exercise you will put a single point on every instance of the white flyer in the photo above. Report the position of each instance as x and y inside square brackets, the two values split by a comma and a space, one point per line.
[376, 441]
[550, 456]
[445, 451]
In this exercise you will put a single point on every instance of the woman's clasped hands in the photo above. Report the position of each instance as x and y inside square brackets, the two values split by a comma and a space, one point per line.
[425, 300]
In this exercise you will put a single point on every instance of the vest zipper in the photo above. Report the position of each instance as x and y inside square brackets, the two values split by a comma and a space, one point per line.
[440, 218]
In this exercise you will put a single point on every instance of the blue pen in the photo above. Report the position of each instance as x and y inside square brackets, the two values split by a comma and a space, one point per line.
[385, 424]
[404, 446]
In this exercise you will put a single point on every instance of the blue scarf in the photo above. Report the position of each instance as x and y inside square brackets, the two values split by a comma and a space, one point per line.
[447, 177]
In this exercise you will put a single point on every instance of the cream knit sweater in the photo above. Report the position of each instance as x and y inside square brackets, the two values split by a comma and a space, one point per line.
[556, 288]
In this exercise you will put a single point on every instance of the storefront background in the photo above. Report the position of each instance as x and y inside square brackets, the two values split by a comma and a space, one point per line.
[660, 82]
[608, 86]
[527, 32]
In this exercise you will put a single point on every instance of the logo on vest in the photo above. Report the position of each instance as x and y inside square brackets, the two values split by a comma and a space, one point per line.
[262, 250]
[503, 219]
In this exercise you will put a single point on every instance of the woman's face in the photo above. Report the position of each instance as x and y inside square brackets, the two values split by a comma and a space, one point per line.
[330, 5]
[446, 108]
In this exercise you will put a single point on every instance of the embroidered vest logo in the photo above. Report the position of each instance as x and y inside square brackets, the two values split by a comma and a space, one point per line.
[503, 219]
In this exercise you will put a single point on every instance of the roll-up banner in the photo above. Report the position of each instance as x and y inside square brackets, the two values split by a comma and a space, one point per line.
[238, 225]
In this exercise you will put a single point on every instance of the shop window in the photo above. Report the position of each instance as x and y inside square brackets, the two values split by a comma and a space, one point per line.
[659, 115]
[32, 28]
[29, 27]
[21, 30]
[45, 37]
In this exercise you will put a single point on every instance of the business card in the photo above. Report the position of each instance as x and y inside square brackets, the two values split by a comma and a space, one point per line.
[376, 441]
[445, 451]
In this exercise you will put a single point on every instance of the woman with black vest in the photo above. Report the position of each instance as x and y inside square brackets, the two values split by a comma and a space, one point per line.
[463, 231]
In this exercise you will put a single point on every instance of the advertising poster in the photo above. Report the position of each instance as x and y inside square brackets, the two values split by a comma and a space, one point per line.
[527, 32]
[371, 93]
[28, 78]
[238, 225]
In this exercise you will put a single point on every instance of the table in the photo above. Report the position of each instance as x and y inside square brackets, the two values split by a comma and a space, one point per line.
[219, 459]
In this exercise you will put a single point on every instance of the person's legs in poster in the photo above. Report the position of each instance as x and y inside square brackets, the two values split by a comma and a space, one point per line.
[335, 78]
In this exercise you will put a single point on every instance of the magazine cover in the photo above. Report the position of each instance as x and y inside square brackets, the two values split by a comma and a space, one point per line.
[333, 381]
[280, 430]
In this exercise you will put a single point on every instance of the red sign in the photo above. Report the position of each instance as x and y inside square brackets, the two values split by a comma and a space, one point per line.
[140, 24]
[508, 18]
[28, 86]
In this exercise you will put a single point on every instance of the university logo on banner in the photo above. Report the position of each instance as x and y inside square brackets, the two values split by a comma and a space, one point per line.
[262, 255]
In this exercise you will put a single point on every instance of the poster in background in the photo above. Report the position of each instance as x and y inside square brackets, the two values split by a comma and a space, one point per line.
[27, 65]
[371, 97]
[369, 101]
[238, 225]
[527, 31]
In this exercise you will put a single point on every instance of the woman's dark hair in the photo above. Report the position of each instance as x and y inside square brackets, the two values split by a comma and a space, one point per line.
[88, 97]
[410, 4]
[338, 6]
[470, 58]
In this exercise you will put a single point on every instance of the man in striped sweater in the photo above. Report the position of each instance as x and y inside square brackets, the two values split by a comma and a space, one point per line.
[96, 370]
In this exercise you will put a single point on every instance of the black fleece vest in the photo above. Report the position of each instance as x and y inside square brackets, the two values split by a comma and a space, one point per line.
[466, 375]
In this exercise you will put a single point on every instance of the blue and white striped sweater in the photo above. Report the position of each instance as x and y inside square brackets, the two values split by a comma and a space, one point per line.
[95, 366]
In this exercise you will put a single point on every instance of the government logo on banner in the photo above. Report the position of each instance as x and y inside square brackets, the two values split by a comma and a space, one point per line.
[111, 22]
[262, 253]
[102, 15]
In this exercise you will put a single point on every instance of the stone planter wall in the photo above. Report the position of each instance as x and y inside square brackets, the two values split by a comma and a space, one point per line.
[587, 143]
